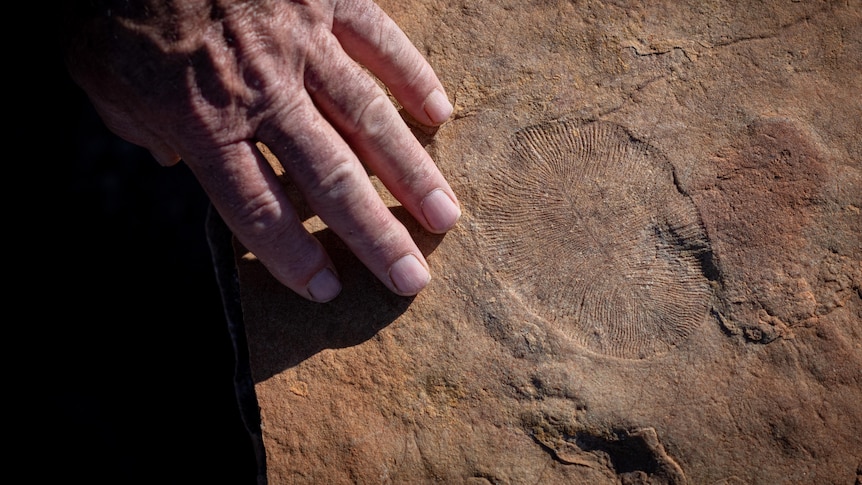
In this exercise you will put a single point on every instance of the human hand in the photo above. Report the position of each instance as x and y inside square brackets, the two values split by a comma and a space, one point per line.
[204, 80]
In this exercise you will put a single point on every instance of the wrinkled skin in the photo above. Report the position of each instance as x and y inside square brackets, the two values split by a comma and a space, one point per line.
[203, 81]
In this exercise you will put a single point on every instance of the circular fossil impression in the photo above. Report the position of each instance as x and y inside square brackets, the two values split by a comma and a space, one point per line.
[586, 225]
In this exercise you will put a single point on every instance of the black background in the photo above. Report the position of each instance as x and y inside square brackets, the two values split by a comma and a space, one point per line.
[117, 345]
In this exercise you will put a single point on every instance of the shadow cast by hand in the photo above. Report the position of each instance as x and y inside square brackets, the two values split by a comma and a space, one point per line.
[284, 329]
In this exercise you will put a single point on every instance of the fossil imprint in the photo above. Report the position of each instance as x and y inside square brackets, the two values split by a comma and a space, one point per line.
[586, 225]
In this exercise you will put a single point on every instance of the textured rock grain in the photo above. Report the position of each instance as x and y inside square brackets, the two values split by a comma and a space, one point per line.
[749, 208]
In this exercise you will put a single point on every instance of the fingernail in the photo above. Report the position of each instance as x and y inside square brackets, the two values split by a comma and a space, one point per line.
[438, 107]
[409, 275]
[440, 210]
[324, 286]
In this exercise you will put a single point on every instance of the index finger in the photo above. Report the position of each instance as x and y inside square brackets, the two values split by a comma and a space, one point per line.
[373, 39]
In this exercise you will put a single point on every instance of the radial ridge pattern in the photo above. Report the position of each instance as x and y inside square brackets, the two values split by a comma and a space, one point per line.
[586, 225]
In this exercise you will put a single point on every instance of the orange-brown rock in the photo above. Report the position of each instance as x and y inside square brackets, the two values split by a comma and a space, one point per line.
[657, 277]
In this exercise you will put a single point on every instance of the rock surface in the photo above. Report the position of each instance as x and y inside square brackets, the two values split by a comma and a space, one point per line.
[657, 277]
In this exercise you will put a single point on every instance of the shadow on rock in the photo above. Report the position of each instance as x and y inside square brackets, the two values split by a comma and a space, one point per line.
[289, 329]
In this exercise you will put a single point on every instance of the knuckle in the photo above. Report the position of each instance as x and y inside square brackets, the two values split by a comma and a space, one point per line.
[420, 175]
[279, 239]
[414, 73]
[336, 187]
[390, 44]
[262, 219]
[374, 119]
[389, 241]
